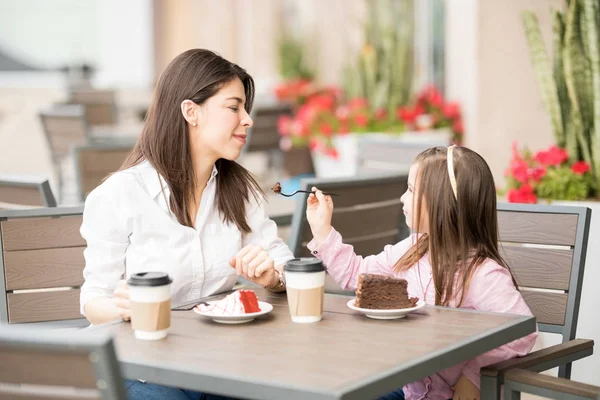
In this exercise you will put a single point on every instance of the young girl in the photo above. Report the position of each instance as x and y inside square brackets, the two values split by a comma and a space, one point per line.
[181, 204]
[452, 258]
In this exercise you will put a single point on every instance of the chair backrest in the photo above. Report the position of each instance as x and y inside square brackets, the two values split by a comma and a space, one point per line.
[65, 125]
[94, 162]
[368, 214]
[378, 154]
[264, 135]
[100, 105]
[40, 364]
[41, 256]
[25, 192]
[545, 247]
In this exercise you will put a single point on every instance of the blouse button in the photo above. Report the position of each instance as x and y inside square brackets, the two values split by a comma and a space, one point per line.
[315, 252]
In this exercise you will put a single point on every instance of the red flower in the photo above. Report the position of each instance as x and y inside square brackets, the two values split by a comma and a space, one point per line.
[457, 126]
[432, 96]
[409, 115]
[553, 156]
[343, 129]
[580, 167]
[315, 144]
[361, 120]
[537, 173]
[519, 170]
[451, 110]
[524, 194]
[326, 129]
[332, 152]
[284, 124]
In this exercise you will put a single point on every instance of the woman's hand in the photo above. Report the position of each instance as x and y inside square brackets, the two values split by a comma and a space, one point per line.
[319, 210]
[121, 300]
[255, 264]
[465, 389]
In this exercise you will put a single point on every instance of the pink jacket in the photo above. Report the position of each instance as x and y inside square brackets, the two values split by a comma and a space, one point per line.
[491, 289]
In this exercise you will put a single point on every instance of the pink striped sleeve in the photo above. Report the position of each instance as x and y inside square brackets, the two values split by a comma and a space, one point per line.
[345, 266]
[492, 290]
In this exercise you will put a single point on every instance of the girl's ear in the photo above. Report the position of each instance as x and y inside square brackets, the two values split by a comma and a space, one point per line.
[189, 112]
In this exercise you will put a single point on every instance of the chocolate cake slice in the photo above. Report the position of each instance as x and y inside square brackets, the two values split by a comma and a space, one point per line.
[383, 293]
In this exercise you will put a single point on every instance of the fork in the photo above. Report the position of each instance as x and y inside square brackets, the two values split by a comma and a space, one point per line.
[306, 191]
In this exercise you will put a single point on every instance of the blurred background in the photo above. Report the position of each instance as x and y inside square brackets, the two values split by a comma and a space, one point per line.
[473, 53]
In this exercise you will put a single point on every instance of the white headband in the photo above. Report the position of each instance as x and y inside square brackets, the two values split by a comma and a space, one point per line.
[450, 163]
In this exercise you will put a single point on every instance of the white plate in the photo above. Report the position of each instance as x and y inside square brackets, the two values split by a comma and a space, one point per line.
[386, 314]
[265, 308]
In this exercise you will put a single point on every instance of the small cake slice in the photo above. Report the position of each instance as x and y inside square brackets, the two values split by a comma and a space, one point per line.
[381, 292]
[237, 303]
[276, 188]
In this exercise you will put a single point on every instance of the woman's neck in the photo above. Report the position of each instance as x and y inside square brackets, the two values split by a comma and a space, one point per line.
[203, 167]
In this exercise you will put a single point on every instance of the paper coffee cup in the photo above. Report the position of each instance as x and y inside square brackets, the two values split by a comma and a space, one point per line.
[305, 286]
[150, 295]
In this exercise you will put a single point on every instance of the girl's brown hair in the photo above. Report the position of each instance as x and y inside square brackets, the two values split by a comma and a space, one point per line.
[196, 75]
[463, 229]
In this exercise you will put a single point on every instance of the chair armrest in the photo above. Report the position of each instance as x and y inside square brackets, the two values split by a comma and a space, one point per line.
[530, 380]
[543, 359]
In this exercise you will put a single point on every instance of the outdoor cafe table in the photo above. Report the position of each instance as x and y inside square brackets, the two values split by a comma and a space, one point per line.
[345, 356]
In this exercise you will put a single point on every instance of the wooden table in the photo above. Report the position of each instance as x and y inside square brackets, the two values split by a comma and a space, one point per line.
[345, 356]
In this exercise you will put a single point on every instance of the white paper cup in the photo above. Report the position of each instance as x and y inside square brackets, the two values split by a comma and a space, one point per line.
[150, 295]
[305, 286]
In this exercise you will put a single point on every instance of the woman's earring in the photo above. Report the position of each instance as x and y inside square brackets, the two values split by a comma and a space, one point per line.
[194, 124]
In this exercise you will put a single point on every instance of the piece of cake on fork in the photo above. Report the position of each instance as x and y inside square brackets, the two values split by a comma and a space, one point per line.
[381, 292]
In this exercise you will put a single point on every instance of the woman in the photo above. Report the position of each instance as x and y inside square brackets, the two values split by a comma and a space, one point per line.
[181, 204]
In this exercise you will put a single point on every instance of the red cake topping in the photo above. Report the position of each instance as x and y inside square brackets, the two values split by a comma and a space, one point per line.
[249, 301]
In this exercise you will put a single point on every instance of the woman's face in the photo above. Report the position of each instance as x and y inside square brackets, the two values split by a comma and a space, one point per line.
[409, 200]
[221, 131]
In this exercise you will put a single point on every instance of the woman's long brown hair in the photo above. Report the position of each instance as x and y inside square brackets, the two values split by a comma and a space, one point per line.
[463, 230]
[196, 75]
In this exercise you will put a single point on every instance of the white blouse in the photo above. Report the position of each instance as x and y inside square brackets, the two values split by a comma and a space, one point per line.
[129, 229]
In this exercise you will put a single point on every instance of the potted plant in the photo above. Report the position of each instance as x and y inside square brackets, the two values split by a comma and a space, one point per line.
[569, 171]
[377, 99]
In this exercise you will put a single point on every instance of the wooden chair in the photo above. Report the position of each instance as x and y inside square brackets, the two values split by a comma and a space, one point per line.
[100, 105]
[25, 192]
[41, 256]
[49, 365]
[64, 126]
[94, 162]
[545, 246]
[368, 215]
[264, 135]
[523, 381]
[377, 154]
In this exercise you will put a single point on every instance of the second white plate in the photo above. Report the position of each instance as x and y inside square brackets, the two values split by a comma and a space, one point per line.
[265, 308]
[386, 314]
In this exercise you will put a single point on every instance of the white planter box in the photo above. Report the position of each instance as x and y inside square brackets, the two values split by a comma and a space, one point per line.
[347, 146]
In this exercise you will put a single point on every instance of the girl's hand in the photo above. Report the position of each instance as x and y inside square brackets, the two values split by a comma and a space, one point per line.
[121, 300]
[319, 210]
[465, 390]
[255, 264]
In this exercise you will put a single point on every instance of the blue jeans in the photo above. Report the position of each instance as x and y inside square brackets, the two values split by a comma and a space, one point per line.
[137, 390]
[395, 395]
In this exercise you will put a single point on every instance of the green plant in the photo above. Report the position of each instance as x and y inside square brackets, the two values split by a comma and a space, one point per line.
[570, 84]
[292, 61]
[383, 73]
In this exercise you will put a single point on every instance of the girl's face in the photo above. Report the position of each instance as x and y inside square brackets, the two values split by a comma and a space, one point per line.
[411, 202]
[222, 123]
